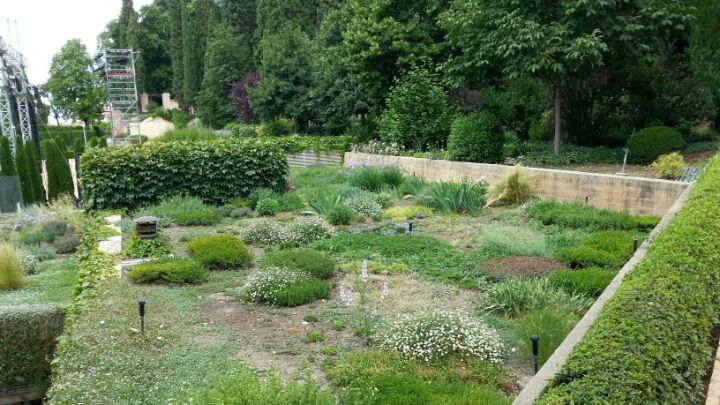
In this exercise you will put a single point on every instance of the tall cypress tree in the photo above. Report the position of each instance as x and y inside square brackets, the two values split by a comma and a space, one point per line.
[176, 8]
[34, 172]
[7, 165]
[23, 173]
[198, 19]
[58, 170]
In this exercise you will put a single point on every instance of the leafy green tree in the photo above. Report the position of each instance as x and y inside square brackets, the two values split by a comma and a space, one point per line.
[555, 40]
[286, 81]
[23, 171]
[121, 37]
[76, 90]
[417, 114]
[7, 165]
[241, 17]
[58, 170]
[198, 19]
[228, 58]
[34, 172]
[704, 49]
[154, 33]
[334, 98]
[175, 13]
[387, 37]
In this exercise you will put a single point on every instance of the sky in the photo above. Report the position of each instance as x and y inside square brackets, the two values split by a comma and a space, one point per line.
[43, 27]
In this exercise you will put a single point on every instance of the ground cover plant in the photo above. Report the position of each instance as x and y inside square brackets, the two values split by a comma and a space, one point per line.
[173, 271]
[577, 215]
[284, 287]
[317, 264]
[603, 249]
[220, 252]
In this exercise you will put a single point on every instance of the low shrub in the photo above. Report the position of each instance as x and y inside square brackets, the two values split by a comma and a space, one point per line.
[650, 342]
[170, 208]
[198, 218]
[514, 189]
[514, 296]
[477, 137]
[137, 248]
[603, 249]
[436, 335]
[543, 154]
[408, 212]
[669, 166]
[591, 281]
[578, 215]
[284, 287]
[220, 252]
[28, 262]
[187, 135]
[266, 232]
[243, 212]
[317, 264]
[173, 271]
[648, 144]
[242, 130]
[289, 202]
[44, 232]
[257, 195]
[300, 231]
[467, 196]
[551, 326]
[66, 243]
[364, 205]
[341, 215]
[277, 127]
[214, 171]
[11, 272]
[244, 387]
[267, 207]
[40, 253]
[309, 229]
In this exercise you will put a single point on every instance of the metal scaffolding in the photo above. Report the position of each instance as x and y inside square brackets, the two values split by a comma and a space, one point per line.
[117, 68]
[14, 85]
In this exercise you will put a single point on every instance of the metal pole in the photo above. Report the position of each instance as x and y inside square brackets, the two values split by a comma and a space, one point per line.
[635, 243]
[141, 307]
[535, 339]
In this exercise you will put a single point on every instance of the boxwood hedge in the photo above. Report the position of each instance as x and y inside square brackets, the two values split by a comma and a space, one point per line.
[216, 171]
[650, 343]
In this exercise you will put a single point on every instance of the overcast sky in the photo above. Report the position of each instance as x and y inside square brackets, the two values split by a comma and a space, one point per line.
[45, 25]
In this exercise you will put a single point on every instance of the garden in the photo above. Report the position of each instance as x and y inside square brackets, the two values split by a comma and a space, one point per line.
[313, 285]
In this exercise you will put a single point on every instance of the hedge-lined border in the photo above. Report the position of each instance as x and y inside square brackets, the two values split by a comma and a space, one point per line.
[297, 143]
[650, 342]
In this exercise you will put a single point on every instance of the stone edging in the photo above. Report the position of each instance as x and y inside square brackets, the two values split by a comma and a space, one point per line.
[534, 388]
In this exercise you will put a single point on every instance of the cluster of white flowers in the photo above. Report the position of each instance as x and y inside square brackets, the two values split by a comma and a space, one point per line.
[434, 335]
[379, 148]
[29, 263]
[264, 285]
[301, 231]
[364, 205]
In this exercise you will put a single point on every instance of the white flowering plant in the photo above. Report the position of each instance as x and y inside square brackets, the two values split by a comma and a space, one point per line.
[309, 229]
[264, 286]
[364, 205]
[439, 334]
[299, 232]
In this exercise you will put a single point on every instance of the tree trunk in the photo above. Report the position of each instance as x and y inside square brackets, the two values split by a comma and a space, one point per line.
[558, 103]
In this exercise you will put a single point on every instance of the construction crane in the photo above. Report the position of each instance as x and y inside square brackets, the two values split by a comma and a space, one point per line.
[14, 87]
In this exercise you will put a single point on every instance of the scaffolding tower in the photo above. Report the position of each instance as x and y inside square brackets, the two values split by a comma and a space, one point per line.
[14, 86]
[117, 69]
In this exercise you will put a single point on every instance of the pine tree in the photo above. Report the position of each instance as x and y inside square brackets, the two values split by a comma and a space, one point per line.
[7, 165]
[228, 59]
[34, 172]
[198, 18]
[23, 173]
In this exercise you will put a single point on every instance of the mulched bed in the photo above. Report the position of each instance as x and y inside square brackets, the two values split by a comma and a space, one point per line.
[521, 266]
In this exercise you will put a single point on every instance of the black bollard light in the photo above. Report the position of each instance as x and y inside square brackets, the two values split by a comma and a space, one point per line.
[410, 225]
[635, 243]
[141, 307]
[535, 339]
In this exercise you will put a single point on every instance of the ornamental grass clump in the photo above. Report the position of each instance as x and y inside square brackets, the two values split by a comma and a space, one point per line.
[220, 252]
[515, 296]
[440, 334]
[284, 287]
[11, 272]
[318, 264]
[467, 196]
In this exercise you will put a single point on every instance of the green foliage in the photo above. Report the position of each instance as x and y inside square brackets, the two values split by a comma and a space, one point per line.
[310, 318]
[299, 232]
[364, 205]
[341, 215]
[466, 196]
[220, 252]
[244, 387]
[374, 179]
[214, 171]
[66, 243]
[198, 20]
[543, 154]
[285, 287]
[590, 281]
[317, 264]
[58, 170]
[267, 207]
[7, 164]
[314, 337]
[408, 212]
[203, 217]
[654, 332]
[34, 170]
[140, 248]
[578, 215]
[170, 208]
[476, 138]
[242, 130]
[417, 114]
[257, 195]
[187, 135]
[604, 249]
[514, 189]
[23, 171]
[227, 59]
[413, 185]
[44, 232]
[11, 272]
[276, 127]
[172, 271]
[550, 325]
[76, 90]
[648, 144]
[515, 296]
[669, 166]
[324, 202]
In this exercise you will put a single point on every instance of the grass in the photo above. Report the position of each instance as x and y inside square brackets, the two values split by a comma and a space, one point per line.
[52, 286]
[107, 362]
[550, 325]
[503, 240]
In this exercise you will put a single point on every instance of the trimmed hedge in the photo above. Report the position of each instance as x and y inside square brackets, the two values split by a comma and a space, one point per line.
[216, 171]
[648, 144]
[27, 343]
[650, 342]
[297, 143]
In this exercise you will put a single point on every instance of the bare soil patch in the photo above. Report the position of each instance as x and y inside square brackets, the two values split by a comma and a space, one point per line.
[521, 266]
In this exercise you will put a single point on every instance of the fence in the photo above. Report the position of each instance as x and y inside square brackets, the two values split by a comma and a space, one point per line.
[310, 158]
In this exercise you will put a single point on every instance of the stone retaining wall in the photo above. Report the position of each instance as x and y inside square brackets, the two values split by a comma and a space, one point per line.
[636, 195]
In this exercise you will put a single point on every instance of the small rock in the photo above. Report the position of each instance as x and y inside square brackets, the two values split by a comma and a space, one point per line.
[133, 330]
[420, 215]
